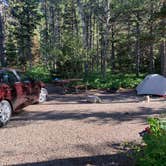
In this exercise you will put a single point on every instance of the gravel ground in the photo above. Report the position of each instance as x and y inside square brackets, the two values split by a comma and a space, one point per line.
[67, 131]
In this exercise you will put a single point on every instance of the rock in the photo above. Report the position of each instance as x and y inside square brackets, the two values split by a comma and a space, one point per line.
[94, 99]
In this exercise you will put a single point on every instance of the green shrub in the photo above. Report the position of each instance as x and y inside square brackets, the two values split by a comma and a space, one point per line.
[40, 73]
[113, 81]
[154, 151]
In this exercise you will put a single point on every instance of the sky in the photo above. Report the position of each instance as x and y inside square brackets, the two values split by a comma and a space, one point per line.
[4, 2]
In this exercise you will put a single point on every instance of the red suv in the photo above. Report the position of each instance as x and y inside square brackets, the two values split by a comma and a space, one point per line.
[18, 90]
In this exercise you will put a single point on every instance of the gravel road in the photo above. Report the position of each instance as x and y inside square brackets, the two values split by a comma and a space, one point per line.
[67, 131]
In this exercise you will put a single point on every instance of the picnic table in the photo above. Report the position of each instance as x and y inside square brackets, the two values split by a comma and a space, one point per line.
[66, 82]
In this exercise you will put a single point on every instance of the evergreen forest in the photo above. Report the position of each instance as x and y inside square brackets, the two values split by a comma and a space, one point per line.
[97, 39]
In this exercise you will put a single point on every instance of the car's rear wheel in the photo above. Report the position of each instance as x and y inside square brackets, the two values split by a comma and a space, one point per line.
[5, 112]
[43, 95]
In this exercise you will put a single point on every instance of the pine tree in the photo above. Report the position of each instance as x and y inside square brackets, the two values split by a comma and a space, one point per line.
[27, 16]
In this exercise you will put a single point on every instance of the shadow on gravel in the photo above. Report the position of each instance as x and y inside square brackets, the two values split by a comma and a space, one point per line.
[102, 160]
[106, 99]
[57, 95]
[86, 116]
[81, 98]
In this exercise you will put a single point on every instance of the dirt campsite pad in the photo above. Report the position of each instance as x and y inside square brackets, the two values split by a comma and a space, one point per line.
[68, 131]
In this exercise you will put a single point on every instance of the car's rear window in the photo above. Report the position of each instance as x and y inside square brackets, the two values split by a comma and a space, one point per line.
[7, 77]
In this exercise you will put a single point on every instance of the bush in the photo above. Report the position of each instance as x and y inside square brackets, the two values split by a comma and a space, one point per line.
[154, 151]
[40, 73]
[113, 81]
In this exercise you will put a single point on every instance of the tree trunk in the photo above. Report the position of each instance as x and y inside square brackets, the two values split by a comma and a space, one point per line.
[90, 30]
[104, 46]
[97, 48]
[75, 19]
[163, 58]
[29, 42]
[46, 33]
[82, 16]
[128, 37]
[163, 45]
[112, 47]
[46, 20]
[151, 55]
[138, 51]
[105, 30]
[2, 55]
[84, 32]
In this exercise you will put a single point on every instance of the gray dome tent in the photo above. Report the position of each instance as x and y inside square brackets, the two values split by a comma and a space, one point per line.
[153, 84]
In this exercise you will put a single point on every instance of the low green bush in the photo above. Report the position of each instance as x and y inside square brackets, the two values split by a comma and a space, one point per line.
[154, 151]
[113, 81]
[40, 73]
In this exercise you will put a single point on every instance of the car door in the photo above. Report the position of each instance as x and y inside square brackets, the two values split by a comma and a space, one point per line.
[28, 84]
[17, 89]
